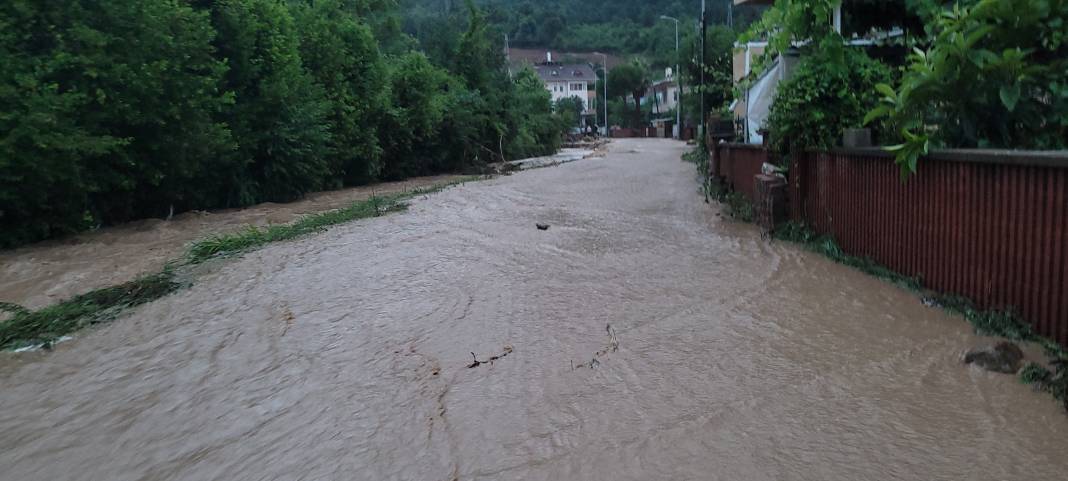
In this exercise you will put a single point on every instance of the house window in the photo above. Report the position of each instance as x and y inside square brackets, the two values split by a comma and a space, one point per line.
[577, 87]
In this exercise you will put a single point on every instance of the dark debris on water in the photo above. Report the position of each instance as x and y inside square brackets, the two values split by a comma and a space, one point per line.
[507, 350]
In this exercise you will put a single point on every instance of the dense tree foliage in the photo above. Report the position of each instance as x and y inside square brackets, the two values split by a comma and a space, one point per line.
[617, 26]
[630, 79]
[111, 111]
[108, 110]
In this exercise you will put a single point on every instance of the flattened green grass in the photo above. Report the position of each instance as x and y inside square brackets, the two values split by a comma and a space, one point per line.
[45, 326]
[255, 237]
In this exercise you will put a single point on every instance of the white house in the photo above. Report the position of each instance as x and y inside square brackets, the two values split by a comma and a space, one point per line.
[568, 80]
[664, 94]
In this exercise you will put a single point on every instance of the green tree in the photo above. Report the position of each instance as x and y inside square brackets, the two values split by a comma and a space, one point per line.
[108, 113]
[631, 79]
[341, 54]
[537, 127]
[418, 103]
[280, 115]
[719, 62]
[568, 111]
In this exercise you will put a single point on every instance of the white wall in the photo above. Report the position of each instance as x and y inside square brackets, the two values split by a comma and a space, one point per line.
[666, 99]
[563, 90]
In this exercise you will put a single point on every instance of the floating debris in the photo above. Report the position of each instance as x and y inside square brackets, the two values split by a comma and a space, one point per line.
[507, 350]
[47, 345]
[613, 346]
[1003, 357]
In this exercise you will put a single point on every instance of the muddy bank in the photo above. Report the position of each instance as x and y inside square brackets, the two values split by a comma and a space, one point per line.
[640, 337]
[48, 272]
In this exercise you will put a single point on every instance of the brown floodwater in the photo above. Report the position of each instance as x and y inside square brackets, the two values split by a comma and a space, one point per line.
[48, 272]
[345, 355]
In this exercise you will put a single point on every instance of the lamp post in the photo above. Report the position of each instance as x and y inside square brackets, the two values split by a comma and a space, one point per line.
[704, 34]
[604, 60]
[678, 77]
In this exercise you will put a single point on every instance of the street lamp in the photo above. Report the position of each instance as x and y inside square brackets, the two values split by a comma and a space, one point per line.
[604, 59]
[678, 77]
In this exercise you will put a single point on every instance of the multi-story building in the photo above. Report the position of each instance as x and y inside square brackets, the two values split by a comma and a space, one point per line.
[569, 80]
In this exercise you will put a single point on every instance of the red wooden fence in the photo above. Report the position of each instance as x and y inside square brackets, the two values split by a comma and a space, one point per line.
[989, 225]
[737, 164]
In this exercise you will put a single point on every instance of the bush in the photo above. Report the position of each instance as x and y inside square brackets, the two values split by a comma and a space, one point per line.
[994, 75]
[830, 91]
[419, 100]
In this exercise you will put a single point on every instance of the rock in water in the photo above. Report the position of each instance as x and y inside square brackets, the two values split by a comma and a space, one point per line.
[542, 226]
[1003, 357]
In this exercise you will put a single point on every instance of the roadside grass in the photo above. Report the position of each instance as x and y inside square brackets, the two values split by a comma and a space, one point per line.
[43, 327]
[987, 322]
[737, 206]
[254, 237]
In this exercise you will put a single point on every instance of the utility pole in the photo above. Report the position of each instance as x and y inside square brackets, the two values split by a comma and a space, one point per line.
[704, 28]
[678, 79]
[607, 131]
[507, 56]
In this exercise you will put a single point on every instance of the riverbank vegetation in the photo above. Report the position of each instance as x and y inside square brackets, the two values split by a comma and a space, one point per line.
[114, 111]
[45, 326]
[255, 237]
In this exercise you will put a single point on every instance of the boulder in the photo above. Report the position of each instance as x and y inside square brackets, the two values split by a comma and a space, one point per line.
[1004, 357]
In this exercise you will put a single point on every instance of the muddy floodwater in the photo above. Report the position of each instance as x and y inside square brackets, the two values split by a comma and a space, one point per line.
[641, 337]
[49, 272]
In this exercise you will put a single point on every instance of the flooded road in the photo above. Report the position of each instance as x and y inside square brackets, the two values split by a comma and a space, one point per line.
[345, 356]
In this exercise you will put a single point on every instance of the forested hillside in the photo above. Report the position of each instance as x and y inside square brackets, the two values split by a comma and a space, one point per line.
[617, 26]
[118, 110]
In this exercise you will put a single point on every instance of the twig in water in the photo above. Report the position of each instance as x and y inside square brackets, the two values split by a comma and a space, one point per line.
[475, 363]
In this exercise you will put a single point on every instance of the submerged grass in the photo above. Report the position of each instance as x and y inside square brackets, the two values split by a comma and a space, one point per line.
[255, 237]
[987, 322]
[737, 206]
[45, 326]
